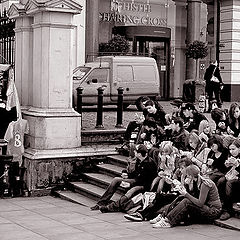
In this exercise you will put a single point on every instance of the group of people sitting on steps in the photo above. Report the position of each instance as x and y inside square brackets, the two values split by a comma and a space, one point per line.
[180, 171]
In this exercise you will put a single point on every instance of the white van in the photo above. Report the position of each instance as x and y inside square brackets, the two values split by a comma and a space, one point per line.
[138, 76]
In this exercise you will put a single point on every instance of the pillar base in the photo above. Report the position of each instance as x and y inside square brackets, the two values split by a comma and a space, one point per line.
[46, 168]
[53, 128]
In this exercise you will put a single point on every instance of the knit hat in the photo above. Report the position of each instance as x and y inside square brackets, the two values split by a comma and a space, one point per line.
[141, 148]
[177, 102]
[189, 106]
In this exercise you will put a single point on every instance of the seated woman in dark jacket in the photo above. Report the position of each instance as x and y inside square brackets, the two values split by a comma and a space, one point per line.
[234, 120]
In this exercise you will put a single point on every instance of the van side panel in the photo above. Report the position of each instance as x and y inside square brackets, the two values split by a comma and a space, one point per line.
[136, 79]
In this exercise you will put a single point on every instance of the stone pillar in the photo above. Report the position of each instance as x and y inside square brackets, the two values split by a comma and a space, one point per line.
[193, 32]
[45, 27]
[92, 29]
[229, 50]
[23, 54]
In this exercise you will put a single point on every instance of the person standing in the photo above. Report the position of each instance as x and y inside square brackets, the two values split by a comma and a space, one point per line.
[214, 83]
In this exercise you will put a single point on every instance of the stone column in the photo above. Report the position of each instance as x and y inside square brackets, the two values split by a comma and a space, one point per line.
[23, 53]
[193, 32]
[44, 80]
[92, 29]
[229, 50]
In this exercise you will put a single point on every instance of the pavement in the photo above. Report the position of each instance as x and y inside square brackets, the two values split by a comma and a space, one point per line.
[47, 217]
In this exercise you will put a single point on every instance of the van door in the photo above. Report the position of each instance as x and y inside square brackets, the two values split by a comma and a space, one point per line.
[98, 77]
[136, 80]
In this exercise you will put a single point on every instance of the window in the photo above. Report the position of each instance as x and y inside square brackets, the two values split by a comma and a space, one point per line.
[98, 75]
[80, 72]
[124, 73]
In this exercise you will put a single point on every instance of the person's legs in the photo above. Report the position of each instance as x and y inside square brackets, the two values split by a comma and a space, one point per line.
[160, 185]
[133, 191]
[217, 93]
[160, 201]
[112, 189]
[154, 183]
[197, 214]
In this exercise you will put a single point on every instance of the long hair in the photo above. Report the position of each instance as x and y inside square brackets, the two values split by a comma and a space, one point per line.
[216, 139]
[202, 125]
[232, 108]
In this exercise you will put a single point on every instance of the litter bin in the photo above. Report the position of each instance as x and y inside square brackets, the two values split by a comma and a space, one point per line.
[199, 88]
[189, 90]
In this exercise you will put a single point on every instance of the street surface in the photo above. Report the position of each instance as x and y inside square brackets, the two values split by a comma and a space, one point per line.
[49, 218]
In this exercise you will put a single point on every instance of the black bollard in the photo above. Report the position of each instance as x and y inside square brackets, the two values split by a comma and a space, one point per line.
[99, 124]
[120, 108]
[79, 99]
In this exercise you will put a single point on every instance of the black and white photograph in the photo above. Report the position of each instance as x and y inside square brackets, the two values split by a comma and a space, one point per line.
[119, 119]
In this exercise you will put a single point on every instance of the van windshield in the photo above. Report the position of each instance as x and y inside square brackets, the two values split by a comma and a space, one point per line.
[80, 72]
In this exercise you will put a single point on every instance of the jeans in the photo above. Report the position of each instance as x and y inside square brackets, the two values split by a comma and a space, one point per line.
[125, 203]
[162, 199]
[215, 88]
[104, 199]
[188, 211]
[229, 194]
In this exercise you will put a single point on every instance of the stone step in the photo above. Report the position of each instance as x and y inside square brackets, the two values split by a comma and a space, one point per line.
[236, 208]
[118, 160]
[75, 197]
[101, 180]
[102, 136]
[232, 223]
[92, 191]
[109, 169]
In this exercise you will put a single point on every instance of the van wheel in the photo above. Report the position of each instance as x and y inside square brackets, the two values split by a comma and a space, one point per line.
[139, 103]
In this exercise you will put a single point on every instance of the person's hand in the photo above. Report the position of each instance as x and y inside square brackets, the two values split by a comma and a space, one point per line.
[161, 174]
[143, 135]
[222, 125]
[210, 161]
[124, 175]
[230, 131]
[221, 87]
[182, 190]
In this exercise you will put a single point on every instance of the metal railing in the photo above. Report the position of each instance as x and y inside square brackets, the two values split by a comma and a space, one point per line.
[7, 39]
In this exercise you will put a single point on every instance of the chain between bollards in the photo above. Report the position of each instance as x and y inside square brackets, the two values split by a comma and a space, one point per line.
[120, 108]
[99, 123]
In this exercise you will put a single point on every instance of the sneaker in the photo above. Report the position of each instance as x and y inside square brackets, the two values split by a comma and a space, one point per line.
[136, 217]
[163, 223]
[95, 207]
[156, 219]
[104, 209]
[225, 216]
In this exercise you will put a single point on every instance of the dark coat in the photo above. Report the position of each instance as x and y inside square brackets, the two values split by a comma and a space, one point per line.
[195, 121]
[208, 75]
[179, 139]
[146, 172]
[209, 72]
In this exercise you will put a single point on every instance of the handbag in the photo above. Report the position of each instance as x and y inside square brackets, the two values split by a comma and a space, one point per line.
[214, 78]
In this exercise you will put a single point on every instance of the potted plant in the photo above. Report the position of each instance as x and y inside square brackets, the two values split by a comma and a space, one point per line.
[117, 45]
[197, 50]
